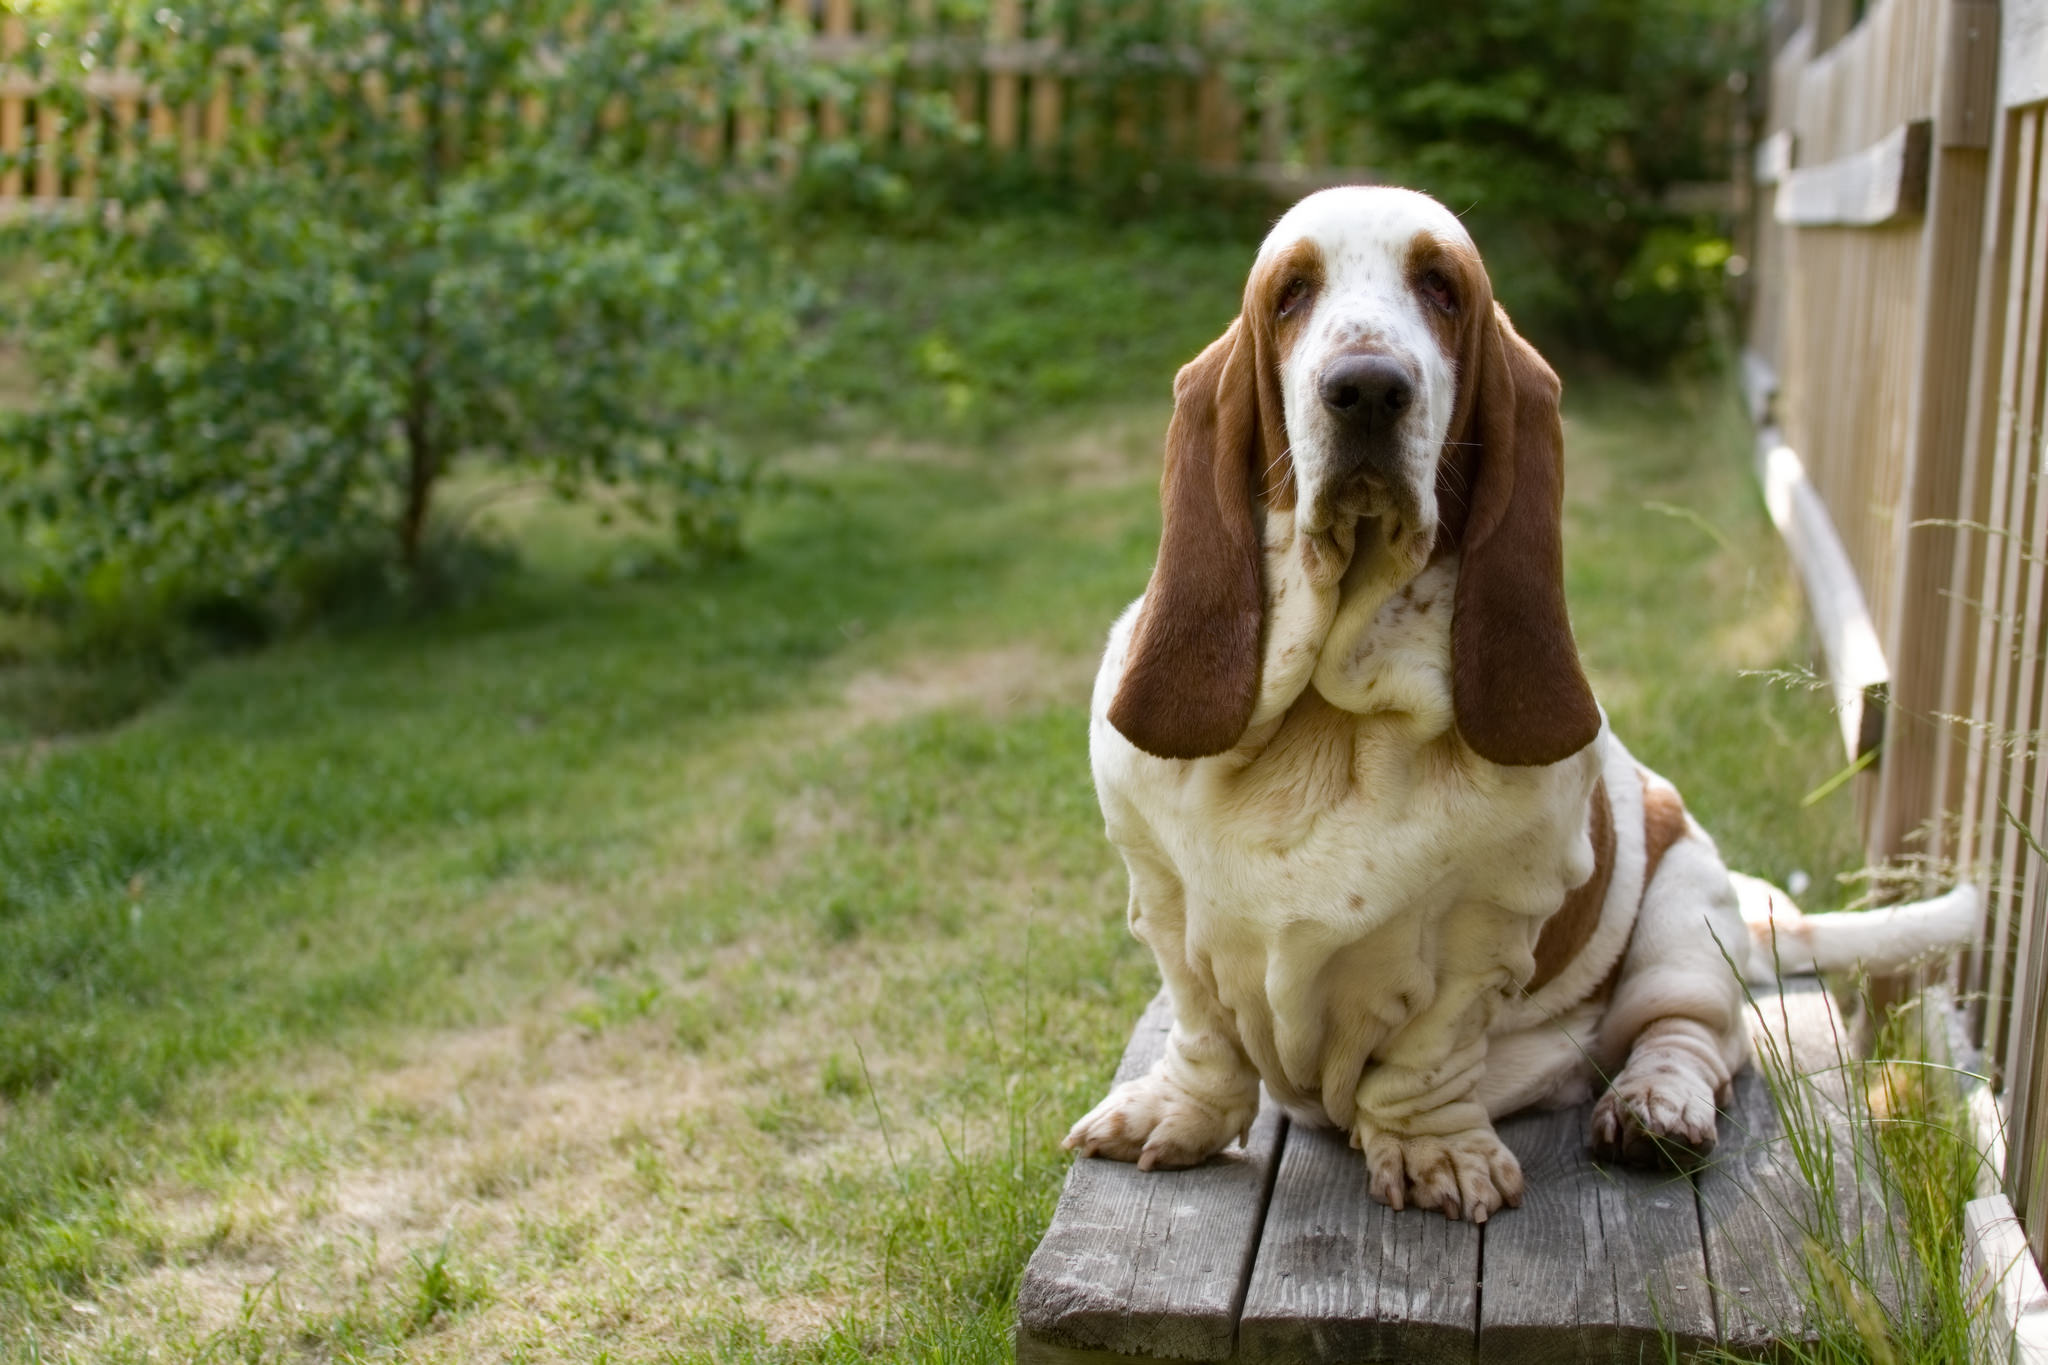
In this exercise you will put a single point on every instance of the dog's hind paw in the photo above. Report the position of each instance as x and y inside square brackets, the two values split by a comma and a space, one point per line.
[1157, 1124]
[1654, 1119]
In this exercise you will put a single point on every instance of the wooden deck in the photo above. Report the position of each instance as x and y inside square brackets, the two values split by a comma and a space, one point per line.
[1276, 1253]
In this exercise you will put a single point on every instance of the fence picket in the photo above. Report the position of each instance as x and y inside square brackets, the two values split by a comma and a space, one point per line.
[879, 108]
[1046, 88]
[13, 110]
[1005, 28]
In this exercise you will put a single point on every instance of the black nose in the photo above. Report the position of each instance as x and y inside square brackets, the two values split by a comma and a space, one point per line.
[1367, 388]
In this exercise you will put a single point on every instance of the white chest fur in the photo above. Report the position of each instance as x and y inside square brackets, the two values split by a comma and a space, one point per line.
[1351, 866]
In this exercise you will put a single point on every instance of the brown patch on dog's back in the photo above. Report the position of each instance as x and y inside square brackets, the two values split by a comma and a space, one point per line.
[1566, 932]
[1663, 826]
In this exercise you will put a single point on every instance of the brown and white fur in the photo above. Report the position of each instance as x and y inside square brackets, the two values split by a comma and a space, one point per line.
[1392, 861]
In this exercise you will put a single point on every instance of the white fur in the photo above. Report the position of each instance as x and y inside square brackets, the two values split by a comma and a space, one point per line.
[1346, 905]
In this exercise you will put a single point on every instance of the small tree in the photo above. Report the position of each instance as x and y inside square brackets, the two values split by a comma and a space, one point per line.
[439, 229]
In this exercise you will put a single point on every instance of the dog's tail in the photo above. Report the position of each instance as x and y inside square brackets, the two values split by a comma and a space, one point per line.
[1784, 940]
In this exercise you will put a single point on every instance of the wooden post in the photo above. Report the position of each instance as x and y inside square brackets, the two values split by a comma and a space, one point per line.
[13, 109]
[1005, 85]
[49, 157]
[1315, 141]
[750, 120]
[922, 29]
[1218, 118]
[1046, 88]
[838, 30]
[878, 110]
[127, 105]
[794, 125]
[87, 185]
[217, 110]
[1923, 546]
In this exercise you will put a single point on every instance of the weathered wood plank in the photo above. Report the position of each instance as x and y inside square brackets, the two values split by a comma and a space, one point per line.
[1773, 159]
[1883, 183]
[1752, 1201]
[2023, 59]
[1148, 1264]
[1999, 1273]
[1597, 1263]
[1858, 674]
[1756, 1205]
[1341, 1277]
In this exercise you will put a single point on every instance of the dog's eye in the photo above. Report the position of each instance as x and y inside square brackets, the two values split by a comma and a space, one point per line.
[1436, 287]
[1292, 295]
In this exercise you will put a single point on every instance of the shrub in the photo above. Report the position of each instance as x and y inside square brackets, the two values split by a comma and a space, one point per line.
[447, 236]
[1558, 127]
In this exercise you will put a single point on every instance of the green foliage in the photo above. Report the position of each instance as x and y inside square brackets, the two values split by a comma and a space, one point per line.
[446, 236]
[1557, 127]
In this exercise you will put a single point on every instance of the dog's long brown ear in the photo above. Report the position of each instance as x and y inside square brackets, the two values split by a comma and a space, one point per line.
[1191, 675]
[1520, 694]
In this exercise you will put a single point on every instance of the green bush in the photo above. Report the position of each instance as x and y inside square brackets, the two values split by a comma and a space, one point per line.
[447, 237]
[1558, 129]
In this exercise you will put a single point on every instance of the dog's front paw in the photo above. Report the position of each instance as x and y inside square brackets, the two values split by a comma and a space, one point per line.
[1155, 1123]
[1463, 1175]
[1656, 1117]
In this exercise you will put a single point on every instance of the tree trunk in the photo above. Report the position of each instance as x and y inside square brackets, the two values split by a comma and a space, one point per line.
[422, 449]
[421, 458]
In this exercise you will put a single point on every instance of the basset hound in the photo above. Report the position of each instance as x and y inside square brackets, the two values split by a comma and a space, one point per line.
[1390, 857]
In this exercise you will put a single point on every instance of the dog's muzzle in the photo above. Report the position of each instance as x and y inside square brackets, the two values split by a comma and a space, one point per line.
[1365, 396]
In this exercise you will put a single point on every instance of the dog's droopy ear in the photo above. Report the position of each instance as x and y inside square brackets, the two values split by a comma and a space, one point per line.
[1520, 695]
[1191, 675]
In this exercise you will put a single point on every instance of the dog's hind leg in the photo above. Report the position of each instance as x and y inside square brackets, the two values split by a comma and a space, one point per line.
[1676, 1015]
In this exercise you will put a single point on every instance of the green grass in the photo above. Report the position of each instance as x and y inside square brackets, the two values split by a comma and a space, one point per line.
[1883, 1153]
[970, 331]
[705, 967]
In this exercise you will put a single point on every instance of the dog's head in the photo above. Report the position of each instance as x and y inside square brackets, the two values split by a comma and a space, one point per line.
[1369, 376]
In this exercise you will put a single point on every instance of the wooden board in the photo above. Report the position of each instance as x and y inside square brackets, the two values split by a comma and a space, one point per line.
[1599, 1261]
[1147, 1263]
[1756, 1204]
[1858, 674]
[2023, 58]
[1278, 1255]
[1341, 1277]
[1883, 183]
[1999, 1272]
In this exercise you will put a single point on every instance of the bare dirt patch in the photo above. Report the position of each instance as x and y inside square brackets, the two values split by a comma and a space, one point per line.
[993, 682]
[603, 1182]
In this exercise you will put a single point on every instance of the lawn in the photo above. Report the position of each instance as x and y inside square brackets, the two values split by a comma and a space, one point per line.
[704, 964]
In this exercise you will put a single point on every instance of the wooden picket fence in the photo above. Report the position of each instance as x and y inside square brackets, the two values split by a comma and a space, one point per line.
[1022, 76]
[1897, 341]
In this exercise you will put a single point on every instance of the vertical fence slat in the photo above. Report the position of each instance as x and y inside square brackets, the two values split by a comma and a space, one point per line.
[1046, 88]
[1005, 85]
[13, 108]
[1992, 674]
[1939, 322]
[2014, 704]
[879, 108]
[922, 27]
[49, 151]
[87, 185]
